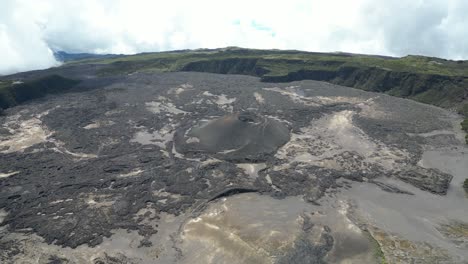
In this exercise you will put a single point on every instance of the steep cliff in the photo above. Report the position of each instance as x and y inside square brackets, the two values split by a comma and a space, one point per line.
[14, 93]
[440, 90]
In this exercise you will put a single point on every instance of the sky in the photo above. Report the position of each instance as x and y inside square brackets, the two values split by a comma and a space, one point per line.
[30, 30]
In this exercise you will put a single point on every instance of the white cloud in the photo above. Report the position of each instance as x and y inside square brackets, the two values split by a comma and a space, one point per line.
[21, 44]
[29, 29]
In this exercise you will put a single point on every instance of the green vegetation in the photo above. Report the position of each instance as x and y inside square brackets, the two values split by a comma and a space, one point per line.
[464, 111]
[13, 94]
[464, 125]
[378, 253]
[455, 230]
[465, 185]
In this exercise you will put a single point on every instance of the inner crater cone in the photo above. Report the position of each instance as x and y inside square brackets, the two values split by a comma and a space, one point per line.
[239, 137]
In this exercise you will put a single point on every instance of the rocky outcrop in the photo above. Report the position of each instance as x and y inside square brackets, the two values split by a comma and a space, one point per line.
[15, 94]
[440, 90]
[431, 180]
[227, 66]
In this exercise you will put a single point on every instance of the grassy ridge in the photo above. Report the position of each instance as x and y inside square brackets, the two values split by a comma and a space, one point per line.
[464, 124]
[170, 61]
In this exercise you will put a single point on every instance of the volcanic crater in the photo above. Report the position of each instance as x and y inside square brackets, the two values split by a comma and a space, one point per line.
[241, 137]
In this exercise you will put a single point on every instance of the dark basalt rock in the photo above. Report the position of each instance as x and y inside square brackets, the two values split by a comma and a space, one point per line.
[391, 188]
[240, 137]
[431, 180]
[70, 200]
[310, 247]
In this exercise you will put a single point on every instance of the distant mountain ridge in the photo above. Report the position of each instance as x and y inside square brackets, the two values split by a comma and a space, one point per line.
[67, 57]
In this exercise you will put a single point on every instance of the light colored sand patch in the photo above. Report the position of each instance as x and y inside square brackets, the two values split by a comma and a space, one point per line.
[92, 125]
[113, 112]
[269, 181]
[369, 107]
[133, 173]
[180, 155]
[166, 107]
[334, 135]
[186, 86]
[259, 98]
[193, 140]
[121, 247]
[8, 174]
[227, 151]
[252, 169]
[438, 133]
[162, 201]
[340, 99]
[159, 138]
[209, 162]
[229, 231]
[99, 200]
[214, 235]
[347, 135]
[60, 148]
[279, 119]
[165, 153]
[221, 100]
[179, 90]
[372, 109]
[164, 243]
[80, 155]
[3, 215]
[296, 95]
[182, 88]
[163, 193]
[24, 134]
[57, 201]
[199, 101]
[98, 124]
